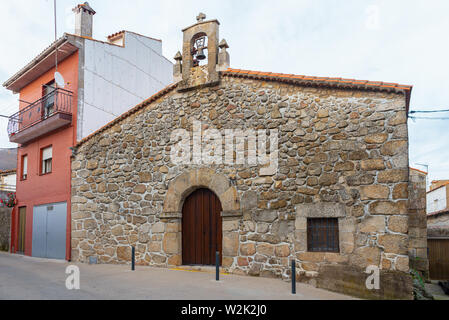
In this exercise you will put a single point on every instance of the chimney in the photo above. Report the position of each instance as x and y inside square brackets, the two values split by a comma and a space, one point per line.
[83, 19]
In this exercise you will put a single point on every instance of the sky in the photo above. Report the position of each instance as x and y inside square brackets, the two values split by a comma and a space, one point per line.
[402, 41]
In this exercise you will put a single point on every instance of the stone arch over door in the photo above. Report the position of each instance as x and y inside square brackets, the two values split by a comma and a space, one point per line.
[178, 191]
[183, 185]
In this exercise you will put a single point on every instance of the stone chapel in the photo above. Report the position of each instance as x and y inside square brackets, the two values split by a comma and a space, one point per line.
[261, 167]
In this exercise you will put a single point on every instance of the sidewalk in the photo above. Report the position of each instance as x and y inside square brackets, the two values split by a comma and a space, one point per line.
[33, 278]
[434, 289]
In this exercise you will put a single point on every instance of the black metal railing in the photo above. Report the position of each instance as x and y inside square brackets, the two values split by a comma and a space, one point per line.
[57, 101]
[322, 235]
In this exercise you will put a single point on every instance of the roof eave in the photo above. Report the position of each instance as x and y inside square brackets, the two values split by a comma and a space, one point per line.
[338, 83]
[10, 83]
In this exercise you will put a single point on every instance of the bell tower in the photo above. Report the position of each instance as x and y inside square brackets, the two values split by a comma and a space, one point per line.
[200, 42]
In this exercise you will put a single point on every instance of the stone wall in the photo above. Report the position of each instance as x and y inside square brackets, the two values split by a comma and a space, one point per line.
[342, 153]
[5, 224]
[417, 222]
[438, 225]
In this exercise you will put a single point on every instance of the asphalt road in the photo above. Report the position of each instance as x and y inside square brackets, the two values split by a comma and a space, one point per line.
[33, 278]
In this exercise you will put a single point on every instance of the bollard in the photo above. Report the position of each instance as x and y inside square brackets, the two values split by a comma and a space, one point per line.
[133, 258]
[293, 276]
[217, 266]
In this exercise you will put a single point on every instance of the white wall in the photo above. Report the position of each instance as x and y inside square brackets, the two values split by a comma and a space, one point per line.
[116, 79]
[436, 200]
[9, 180]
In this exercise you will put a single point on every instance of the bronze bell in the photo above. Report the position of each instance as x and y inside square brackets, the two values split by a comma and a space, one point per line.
[200, 54]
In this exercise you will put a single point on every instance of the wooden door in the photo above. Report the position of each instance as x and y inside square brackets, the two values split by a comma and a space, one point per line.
[438, 258]
[21, 234]
[201, 228]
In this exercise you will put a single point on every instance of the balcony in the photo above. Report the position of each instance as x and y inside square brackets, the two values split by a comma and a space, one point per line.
[47, 114]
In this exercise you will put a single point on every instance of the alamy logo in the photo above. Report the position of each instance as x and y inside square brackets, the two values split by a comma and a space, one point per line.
[373, 281]
[208, 147]
[73, 280]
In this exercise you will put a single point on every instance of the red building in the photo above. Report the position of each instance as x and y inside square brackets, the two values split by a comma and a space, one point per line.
[101, 81]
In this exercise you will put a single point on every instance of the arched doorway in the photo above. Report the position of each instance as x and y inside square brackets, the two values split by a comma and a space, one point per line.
[201, 228]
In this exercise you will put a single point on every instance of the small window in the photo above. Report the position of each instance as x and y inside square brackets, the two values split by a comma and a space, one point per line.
[24, 167]
[322, 235]
[47, 155]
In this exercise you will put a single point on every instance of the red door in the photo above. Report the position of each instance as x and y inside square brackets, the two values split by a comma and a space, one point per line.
[201, 228]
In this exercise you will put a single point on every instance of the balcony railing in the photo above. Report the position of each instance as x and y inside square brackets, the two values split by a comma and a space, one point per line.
[49, 113]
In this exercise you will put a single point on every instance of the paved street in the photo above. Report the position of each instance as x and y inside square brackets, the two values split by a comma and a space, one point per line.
[32, 278]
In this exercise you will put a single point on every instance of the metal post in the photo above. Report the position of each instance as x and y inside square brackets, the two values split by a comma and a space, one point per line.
[133, 258]
[217, 266]
[293, 276]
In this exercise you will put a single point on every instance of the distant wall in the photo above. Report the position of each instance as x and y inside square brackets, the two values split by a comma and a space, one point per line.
[5, 225]
[417, 228]
[438, 225]
[437, 200]
[8, 182]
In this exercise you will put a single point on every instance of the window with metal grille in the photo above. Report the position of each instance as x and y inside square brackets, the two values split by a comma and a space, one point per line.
[322, 235]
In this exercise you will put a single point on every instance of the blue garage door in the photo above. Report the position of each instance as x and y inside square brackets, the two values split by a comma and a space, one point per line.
[49, 230]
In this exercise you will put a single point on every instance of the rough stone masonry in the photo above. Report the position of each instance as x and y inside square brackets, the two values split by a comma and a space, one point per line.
[343, 153]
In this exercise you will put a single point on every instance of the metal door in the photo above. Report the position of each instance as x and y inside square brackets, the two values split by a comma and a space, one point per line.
[39, 246]
[49, 231]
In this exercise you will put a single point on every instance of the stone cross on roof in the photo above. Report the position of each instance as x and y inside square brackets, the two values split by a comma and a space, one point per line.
[201, 17]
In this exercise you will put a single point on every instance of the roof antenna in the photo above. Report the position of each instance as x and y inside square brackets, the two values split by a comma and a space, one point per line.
[59, 79]
[56, 35]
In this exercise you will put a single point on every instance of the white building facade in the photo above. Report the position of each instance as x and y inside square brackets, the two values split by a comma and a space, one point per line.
[437, 200]
[116, 75]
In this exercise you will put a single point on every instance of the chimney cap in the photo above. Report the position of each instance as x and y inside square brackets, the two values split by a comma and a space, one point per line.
[85, 7]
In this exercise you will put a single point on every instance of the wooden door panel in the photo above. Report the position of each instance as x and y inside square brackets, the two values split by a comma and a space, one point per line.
[438, 259]
[22, 226]
[201, 228]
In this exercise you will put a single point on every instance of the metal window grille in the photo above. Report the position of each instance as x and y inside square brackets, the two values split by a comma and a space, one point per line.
[322, 235]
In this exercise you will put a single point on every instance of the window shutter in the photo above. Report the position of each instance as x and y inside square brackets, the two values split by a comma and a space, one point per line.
[47, 153]
[25, 165]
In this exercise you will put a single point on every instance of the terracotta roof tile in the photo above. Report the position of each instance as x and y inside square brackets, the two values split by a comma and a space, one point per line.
[439, 187]
[326, 79]
[116, 34]
[358, 84]
[436, 213]
[138, 34]
[337, 82]
[6, 172]
[418, 170]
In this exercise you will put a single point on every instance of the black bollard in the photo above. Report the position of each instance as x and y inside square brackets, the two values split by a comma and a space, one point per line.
[293, 276]
[133, 258]
[217, 266]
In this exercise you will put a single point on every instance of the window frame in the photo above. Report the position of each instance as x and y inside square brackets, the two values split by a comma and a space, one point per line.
[41, 167]
[22, 177]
